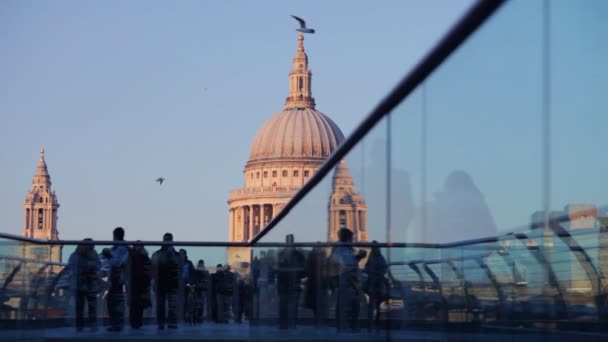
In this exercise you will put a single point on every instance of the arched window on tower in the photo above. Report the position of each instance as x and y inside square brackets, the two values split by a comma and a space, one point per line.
[300, 83]
[40, 216]
[342, 219]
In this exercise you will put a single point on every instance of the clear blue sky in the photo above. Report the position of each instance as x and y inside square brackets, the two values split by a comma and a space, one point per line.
[120, 93]
[484, 134]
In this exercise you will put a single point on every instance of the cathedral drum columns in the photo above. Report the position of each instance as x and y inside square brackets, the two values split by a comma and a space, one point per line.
[285, 153]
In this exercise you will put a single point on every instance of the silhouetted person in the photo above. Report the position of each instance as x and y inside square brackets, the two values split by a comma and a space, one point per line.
[346, 265]
[104, 272]
[84, 265]
[230, 291]
[219, 284]
[166, 273]
[139, 289]
[289, 275]
[201, 280]
[242, 300]
[375, 267]
[117, 279]
[317, 284]
[106, 257]
[255, 286]
[187, 300]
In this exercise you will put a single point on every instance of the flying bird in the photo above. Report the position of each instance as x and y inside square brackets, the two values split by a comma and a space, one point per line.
[160, 180]
[303, 27]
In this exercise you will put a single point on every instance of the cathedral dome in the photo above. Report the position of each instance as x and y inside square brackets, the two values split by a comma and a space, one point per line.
[296, 133]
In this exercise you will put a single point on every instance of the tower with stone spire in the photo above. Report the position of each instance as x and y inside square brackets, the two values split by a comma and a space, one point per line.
[347, 208]
[286, 152]
[300, 77]
[41, 215]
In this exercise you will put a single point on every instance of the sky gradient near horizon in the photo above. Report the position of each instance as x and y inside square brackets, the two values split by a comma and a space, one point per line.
[120, 93]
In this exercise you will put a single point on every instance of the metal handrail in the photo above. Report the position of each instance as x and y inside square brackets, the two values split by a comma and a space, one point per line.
[468, 243]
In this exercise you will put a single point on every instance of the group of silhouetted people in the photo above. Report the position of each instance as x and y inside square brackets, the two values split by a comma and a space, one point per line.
[336, 272]
[189, 293]
[181, 290]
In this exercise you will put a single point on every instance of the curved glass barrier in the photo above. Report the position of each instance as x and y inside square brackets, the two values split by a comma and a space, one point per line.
[482, 191]
[483, 188]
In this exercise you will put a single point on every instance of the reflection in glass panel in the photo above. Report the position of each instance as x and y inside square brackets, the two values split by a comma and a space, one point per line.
[484, 124]
[577, 105]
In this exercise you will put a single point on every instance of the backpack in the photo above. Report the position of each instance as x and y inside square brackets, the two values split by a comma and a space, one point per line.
[168, 267]
[86, 274]
[228, 283]
[118, 273]
[201, 279]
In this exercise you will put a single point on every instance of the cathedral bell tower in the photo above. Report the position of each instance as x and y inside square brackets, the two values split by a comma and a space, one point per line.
[347, 208]
[41, 215]
[300, 77]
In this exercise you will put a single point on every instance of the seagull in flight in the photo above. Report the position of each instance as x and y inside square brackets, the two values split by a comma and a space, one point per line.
[303, 27]
[160, 180]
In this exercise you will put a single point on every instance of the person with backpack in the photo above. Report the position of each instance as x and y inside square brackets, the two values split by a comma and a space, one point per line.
[117, 281]
[84, 266]
[166, 275]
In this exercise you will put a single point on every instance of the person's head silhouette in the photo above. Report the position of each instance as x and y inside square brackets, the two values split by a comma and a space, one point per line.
[118, 234]
[345, 235]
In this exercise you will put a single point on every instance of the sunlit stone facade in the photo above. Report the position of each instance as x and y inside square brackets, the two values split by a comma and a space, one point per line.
[286, 151]
[40, 212]
[347, 208]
